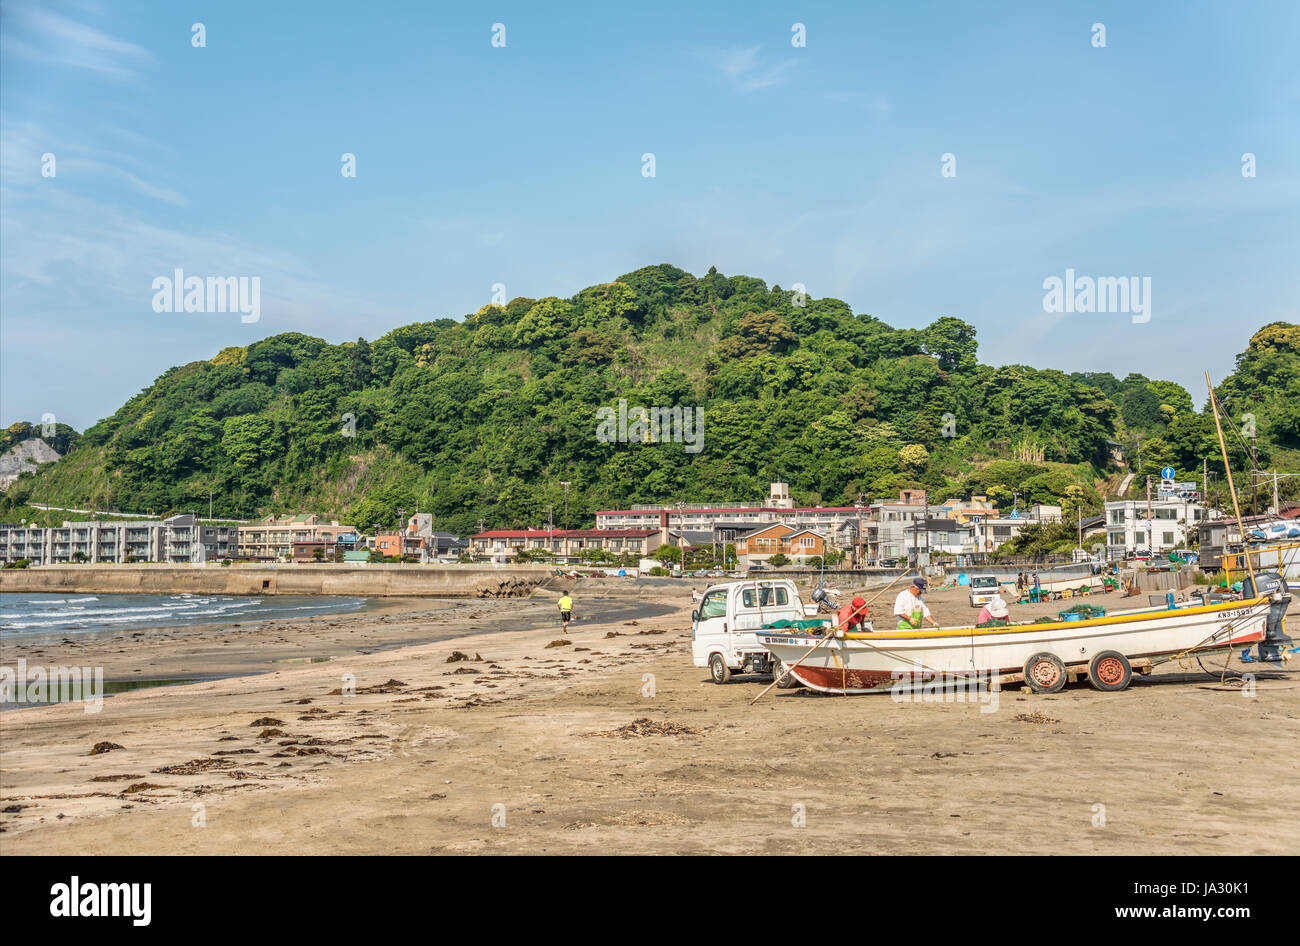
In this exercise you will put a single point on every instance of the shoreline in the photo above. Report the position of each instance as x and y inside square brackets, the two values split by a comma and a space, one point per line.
[197, 652]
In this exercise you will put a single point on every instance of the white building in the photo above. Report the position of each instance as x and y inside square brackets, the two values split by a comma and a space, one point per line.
[176, 540]
[1157, 527]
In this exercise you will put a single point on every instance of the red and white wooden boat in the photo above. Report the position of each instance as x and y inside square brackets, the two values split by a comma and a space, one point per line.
[863, 661]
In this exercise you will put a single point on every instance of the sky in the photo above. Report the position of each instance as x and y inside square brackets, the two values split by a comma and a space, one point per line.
[916, 160]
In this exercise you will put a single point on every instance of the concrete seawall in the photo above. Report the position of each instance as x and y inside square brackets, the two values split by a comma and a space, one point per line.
[447, 581]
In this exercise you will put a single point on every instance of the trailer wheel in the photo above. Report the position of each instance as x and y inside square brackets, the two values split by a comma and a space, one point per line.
[718, 669]
[1045, 673]
[789, 682]
[1110, 671]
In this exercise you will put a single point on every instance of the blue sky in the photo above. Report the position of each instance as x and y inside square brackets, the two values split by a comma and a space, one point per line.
[522, 165]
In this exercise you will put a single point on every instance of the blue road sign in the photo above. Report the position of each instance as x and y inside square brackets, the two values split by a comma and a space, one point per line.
[1167, 473]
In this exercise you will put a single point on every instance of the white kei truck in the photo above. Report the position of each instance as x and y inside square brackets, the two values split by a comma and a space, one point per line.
[983, 589]
[724, 622]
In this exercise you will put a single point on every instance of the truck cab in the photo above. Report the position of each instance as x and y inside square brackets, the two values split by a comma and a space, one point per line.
[983, 589]
[723, 624]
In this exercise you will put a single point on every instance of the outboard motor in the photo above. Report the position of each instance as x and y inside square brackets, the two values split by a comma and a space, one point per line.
[824, 603]
[1274, 586]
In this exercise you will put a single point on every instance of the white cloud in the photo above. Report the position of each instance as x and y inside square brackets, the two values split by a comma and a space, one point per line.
[742, 68]
[56, 40]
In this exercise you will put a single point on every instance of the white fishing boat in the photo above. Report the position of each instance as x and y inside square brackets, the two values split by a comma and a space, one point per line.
[1046, 654]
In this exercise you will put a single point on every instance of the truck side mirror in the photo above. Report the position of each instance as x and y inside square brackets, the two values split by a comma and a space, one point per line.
[695, 617]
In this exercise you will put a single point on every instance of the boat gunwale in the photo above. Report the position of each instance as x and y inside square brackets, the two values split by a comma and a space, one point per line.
[1105, 621]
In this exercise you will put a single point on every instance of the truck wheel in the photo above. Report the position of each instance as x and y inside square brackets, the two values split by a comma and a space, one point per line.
[1044, 673]
[789, 682]
[1110, 671]
[718, 669]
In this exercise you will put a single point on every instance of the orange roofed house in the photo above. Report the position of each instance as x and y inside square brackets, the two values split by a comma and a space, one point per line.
[758, 545]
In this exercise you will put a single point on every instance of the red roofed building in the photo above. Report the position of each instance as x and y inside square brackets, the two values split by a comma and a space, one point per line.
[566, 544]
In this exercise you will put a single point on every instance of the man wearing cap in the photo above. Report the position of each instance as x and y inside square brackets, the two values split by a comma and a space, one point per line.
[994, 614]
[910, 609]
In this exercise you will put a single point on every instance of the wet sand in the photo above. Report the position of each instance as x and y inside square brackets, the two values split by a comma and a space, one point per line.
[538, 749]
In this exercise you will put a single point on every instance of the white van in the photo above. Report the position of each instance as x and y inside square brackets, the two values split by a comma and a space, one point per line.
[723, 625]
[983, 589]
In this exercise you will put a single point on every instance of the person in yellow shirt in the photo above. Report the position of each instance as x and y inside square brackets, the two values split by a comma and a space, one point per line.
[566, 610]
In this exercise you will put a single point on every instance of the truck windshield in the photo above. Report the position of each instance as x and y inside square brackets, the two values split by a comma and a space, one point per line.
[983, 582]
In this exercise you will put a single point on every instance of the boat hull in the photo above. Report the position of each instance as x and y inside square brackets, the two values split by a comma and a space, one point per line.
[863, 662]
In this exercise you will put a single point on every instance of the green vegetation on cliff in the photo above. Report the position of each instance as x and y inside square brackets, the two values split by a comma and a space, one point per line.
[483, 419]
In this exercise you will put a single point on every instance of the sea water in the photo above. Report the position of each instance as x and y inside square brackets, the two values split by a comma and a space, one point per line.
[50, 618]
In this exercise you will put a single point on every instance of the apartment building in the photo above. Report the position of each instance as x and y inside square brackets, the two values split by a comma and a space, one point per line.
[272, 539]
[1155, 527]
[564, 544]
[176, 540]
[839, 522]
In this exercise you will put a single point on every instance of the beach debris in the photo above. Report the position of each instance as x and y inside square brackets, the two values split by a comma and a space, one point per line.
[457, 656]
[647, 818]
[234, 751]
[390, 687]
[644, 726]
[1037, 716]
[561, 642]
[115, 778]
[609, 634]
[195, 767]
[270, 733]
[142, 787]
[101, 747]
[267, 721]
[298, 750]
[465, 670]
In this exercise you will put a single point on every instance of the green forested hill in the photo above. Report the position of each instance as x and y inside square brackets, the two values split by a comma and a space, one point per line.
[483, 419]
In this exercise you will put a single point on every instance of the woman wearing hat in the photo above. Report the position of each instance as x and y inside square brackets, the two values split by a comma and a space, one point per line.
[910, 609]
[995, 613]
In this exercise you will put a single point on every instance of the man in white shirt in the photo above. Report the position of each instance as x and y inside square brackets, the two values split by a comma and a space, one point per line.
[910, 609]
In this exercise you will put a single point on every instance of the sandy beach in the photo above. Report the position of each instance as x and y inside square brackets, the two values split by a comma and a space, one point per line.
[608, 740]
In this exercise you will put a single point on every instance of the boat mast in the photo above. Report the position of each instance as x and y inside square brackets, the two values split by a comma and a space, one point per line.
[1227, 467]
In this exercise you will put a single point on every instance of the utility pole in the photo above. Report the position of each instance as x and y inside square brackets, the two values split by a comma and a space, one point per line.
[1149, 543]
[1277, 506]
[1254, 479]
[860, 533]
[565, 484]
